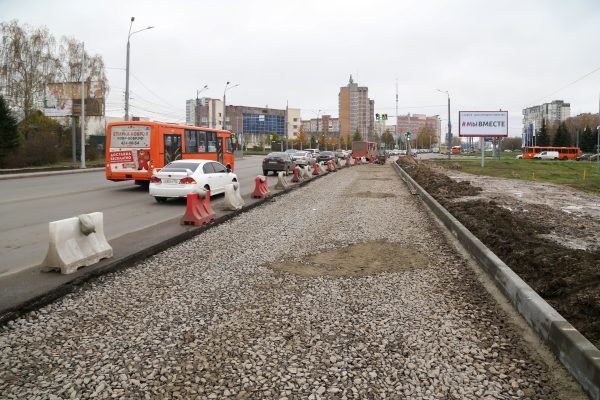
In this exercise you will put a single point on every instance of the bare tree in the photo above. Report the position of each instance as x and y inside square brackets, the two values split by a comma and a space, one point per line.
[30, 59]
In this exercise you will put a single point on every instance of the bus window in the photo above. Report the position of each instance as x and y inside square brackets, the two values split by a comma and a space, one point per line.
[191, 141]
[211, 140]
[195, 141]
[229, 145]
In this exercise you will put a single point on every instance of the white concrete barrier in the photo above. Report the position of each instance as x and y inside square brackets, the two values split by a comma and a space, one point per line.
[70, 249]
[281, 183]
[306, 173]
[322, 169]
[233, 199]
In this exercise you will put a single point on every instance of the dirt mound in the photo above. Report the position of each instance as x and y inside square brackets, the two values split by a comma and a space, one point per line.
[357, 260]
[569, 279]
[438, 185]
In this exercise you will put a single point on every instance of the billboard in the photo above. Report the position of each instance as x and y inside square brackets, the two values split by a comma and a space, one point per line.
[482, 123]
[64, 99]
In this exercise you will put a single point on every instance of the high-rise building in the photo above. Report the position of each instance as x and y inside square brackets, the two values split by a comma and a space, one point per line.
[209, 113]
[533, 118]
[190, 112]
[356, 110]
[556, 111]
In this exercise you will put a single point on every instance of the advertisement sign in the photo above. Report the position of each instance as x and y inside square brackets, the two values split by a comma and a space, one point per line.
[129, 148]
[64, 99]
[482, 123]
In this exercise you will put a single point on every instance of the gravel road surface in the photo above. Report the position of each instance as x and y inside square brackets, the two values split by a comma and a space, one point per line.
[342, 289]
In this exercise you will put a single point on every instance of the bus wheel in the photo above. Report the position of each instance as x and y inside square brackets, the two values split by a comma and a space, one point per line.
[160, 199]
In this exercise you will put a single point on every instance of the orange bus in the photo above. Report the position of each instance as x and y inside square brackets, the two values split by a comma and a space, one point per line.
[564, 153]
[135, 148]
[364, 149]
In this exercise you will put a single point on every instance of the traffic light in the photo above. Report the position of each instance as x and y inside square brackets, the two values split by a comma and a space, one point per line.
[377, 117]
[384, 117]
[407, 135]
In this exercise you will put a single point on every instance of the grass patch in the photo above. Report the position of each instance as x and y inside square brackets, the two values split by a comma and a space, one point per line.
[582, 175]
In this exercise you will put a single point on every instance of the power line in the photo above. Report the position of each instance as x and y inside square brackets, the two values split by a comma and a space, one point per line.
[155, 95]
[566, 86]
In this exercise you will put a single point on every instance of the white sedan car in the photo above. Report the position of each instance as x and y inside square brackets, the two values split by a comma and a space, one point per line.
[182, 177]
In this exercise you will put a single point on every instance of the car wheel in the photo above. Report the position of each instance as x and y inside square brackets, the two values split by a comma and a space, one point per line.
[207, 188]
[160, 199]
[287, 171]
[265, 172]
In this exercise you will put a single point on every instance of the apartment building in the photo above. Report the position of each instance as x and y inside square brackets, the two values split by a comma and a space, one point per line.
[356, 110]
[414, 122]
[209, 113]
[556, 111]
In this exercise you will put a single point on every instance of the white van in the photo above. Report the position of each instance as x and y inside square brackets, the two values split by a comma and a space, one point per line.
[546, 155]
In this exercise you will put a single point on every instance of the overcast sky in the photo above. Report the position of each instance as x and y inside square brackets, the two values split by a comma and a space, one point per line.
[489, 55]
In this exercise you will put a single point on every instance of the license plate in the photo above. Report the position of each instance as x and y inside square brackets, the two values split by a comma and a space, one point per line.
[170, 181]
[272, 162]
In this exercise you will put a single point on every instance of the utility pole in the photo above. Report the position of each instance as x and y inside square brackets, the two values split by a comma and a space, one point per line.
[82, 105]
[396, 129]
[127, 73]
[449, 130]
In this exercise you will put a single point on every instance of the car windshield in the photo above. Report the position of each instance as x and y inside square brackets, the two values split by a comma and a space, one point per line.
[276, 155]
[290, 151]
[179, 166]
[327, 153]
[300, 154]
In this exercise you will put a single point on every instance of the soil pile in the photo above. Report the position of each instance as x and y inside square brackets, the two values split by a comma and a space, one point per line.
[569, 279]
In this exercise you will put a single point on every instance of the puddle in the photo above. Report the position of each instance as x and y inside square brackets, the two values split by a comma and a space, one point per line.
[357, 260]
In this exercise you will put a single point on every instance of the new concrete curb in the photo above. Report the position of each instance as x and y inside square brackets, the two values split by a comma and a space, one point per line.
[131, 260]
[574, 351]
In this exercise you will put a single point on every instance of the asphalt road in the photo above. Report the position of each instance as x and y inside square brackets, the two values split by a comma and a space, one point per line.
[28, 204]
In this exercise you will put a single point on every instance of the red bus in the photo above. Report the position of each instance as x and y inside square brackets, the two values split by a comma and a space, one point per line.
[364, 149]
[135, 148]
[456, 149]
[564, 153]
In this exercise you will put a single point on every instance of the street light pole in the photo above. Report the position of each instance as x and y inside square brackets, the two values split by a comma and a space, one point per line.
[127, 67]
[449, 139]
[224, 105]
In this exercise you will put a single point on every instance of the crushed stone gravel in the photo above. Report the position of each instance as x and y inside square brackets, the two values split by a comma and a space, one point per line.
[211, 319]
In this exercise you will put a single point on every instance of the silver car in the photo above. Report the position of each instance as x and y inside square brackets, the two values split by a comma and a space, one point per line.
[302, 158]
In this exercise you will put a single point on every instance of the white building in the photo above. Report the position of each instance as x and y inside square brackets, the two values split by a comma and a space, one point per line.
[556, 111]
[190, 112]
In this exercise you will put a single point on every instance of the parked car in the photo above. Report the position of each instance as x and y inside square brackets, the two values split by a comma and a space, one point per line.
[276, 162]
[182, 177]
[546, 155]
[519, 157]
[314, 153]
[326, 156]
[302, 158]
[339, 153]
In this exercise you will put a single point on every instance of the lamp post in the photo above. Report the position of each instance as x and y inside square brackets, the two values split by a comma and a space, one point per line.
[449, 144]
[198, 91]
[127, 67]
[317, 132]
[227, 87]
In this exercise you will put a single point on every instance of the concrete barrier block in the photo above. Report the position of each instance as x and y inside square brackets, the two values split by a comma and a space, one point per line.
[306, 173]
[233, 199]
[281, 183]
[70, 249]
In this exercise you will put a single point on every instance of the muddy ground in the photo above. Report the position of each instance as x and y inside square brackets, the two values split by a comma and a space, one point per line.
[547, 234]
